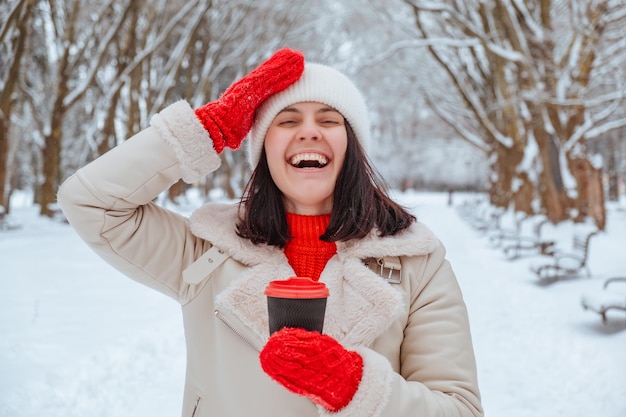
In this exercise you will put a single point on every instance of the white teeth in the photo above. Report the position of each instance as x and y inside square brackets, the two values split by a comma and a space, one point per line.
[313, 157]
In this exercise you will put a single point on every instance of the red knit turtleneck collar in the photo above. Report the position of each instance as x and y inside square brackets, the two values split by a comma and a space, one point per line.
[306, 253]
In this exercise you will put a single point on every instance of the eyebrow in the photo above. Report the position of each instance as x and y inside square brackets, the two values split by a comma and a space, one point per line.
[295, 110]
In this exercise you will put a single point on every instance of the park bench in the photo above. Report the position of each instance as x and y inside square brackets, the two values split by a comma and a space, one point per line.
[480, 215]
[607, 299]
[5, 221]
[469, 208]
[566, 264]
[505, 234]
[531, 244]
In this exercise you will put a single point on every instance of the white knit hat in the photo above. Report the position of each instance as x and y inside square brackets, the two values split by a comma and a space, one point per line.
[321, 84]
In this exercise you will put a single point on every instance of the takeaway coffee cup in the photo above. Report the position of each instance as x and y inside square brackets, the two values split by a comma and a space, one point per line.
[296, 302]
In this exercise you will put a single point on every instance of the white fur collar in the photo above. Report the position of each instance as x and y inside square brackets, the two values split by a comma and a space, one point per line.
[216, 223]
[361, 305]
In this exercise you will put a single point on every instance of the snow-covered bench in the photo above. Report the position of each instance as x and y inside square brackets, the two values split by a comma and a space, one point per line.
[5, 220]
[566, 264]
[613, 298]
[506, 234]
[530, 244]
[481, 215]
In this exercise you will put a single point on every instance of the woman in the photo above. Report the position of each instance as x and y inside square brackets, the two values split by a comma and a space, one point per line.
[396, 336]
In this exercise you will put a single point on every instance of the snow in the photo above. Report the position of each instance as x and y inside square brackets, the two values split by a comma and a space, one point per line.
[80, 339]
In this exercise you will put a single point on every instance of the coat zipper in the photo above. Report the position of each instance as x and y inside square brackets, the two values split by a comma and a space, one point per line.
[195, 407]
[237, 332]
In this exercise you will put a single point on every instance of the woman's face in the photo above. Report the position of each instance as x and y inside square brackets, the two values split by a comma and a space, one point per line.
[305, 147]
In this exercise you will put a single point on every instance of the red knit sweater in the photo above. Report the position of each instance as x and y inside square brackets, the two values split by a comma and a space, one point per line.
[306, 253]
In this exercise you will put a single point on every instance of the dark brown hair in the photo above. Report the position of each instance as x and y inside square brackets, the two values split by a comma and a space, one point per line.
[360, 203]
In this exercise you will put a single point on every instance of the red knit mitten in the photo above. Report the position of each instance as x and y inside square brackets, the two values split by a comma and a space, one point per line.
[314, 365]
[229, 119]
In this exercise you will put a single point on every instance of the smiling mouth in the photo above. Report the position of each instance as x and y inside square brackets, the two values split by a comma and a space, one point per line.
[308, 160]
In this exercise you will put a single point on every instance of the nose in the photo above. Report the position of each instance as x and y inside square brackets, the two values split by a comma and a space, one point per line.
[309, 130]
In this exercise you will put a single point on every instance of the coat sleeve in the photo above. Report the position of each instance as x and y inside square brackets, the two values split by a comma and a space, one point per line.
[109, 202]
[437, 375]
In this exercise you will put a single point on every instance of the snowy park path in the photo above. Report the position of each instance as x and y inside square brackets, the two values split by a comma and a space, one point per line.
[79, 339]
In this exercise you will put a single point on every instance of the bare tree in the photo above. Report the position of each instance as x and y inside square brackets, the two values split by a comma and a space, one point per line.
[533, 81]
[13, 35]
[99, 70]
[190, 50]
[67, 70]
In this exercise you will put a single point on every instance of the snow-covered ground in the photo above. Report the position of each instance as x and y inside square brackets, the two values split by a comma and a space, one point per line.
[79, 339]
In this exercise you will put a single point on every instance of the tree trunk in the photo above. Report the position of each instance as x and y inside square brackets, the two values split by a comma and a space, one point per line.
[127, 49]
[590, 201]
[51, 154]
[612, 172]
[6, 96]
[108, 129]
[176, 190]
[4, 158]
[524, 195]
[505, 170]
[227, 172]
[590, 197]
[551, 189]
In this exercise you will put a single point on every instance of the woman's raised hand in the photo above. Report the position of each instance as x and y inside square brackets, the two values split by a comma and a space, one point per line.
[229, 119]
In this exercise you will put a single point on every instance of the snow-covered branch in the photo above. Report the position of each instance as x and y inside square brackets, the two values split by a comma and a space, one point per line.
[475, 37]
[591, 122]
[96, 63]
[537, 30]
[418, 43]
[178, 54]
[161, 38]
[468, 135]
[11, 17]
[602, 129]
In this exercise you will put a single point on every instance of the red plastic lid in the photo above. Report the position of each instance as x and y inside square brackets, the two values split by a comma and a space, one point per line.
[296, 287]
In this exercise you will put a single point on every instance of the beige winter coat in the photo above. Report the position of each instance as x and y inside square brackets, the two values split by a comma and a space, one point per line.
[411, 330]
